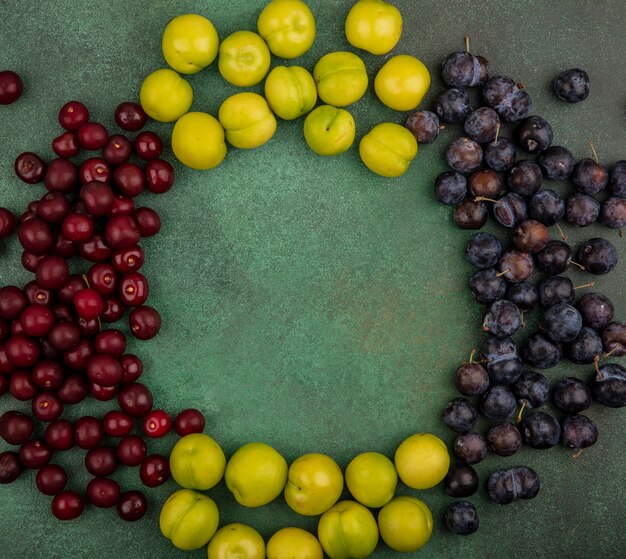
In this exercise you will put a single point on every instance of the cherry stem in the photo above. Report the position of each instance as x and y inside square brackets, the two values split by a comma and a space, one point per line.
[599, 374]
[521, 411]
[577, 264]
[467, 42]
[577, 454]
[585, 285]
[86, 280]
[595, 153]
[495, 140]
[560, 230]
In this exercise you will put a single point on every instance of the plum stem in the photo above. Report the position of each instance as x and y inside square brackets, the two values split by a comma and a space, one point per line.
[495, 140]
[560, 230]
[610, 353]
[523, 319]
[471, 359]
[467, 42]
[485, 199]
[585, 285]
[521, 411]
[599, 373]
[503, 273]
[595, 153]
[578, 265]
[577, 454]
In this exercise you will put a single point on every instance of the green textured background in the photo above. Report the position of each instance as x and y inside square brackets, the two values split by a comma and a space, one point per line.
[306, 302]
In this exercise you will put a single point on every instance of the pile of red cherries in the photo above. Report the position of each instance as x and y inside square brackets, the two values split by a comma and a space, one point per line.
[54, 348]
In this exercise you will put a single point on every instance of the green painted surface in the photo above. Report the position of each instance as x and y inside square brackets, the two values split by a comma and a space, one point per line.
[306, 302]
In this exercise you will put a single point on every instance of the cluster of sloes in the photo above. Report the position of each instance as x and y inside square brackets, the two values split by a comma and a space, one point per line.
[486, 171]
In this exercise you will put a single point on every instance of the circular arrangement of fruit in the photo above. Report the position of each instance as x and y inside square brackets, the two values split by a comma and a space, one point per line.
[59, 343]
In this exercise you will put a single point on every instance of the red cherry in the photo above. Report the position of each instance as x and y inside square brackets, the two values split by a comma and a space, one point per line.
[131, 450]
[189, 421]
[73, 115]
[117, 424]
[155, 470]
[103, 278]
[59, 434]
[88, 432]
[101, 461]
[130, 116]
[36, 320]
[21, 386]
[122, 232]
[92, 135]
[128, 260]
[144, 322]
[66, 145]
[22, 351]
[51, 479]
[148, 220]
[102, 393]
[35, 454]
[104, 370]
[77, 227]
[157, 423]
[77, 357]
[129, 179]
[132, 506]
[132, 368]
[97, 197]
[113, 310]
[47, 406]
[159, 176]
[94, 169]
[103, 492]
[148, 145]
[111, 342]
[88, 303]
[134, 289]
[135, 399]
[67, 505]
[117, 150]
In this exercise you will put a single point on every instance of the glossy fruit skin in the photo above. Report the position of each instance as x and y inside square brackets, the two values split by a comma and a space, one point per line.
[502, 319]
[132, 368]
[516, 266]
[290, 91]
[500, 155]
[157, 423]
[531, 389]
[189, 43]
[35, 454]
[596, 309]
[562, 322]
[614, 213]
[498, 403]
[504, 439]
[165, 96]
[130, 116]
[470, 214]
[148, 221]
[155, 470]
[388, 149]
[471, 379]
[29, 167]
[59, 434]
[557, 163]
[341, 78]
[10, 467]
[483, 250]
[135, 399]
[614, 339]
[73, 115]
[481, 125]
[486, 183]
[131, 450]
[450, 188]
[555, 258]
[503, 364]
[462, 69]
[247, 120]
[461, 518]
[132, 506]
[159, 176]
[460, 415]
[424, 125]
[88, 432]
[486, 286]
[509, 99]
[405, 524]
[7, 223]
[205, 153]
[15, 427]
[422, 461]
[129, 179]
[103, 492]
[541, 352]
[47, 406]
[371, 479]
[464, 155]
[582, 210]
[609, 386]
[51, 479]
[402, 83]
[314, 485]
[470, 447]
[189, 519]
[534, 134]
[586, 347]
[571, 395]
[598, 256]
[590, 177]
[145, 322]
[288, 27]
[617, 181]
[189, 421]
[524, 178]
[461, 481]
[348, 530]
[572, 85]
[243, 59]
[67, 505]
[11, 87]
[452, 105]
[531, 236]
[505, 486]
[232, 537]
[579, 432]
[540, 430]
[554, 290]
[374, 26]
